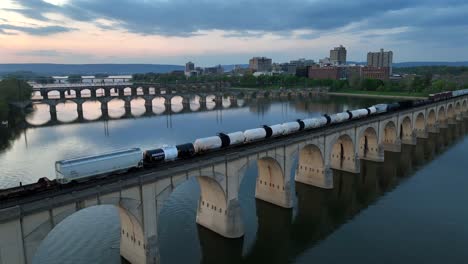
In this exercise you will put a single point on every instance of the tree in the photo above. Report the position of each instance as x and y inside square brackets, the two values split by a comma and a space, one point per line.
[74, 78]
[12, 89]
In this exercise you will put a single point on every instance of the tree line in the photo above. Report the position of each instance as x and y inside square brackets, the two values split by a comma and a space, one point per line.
[12, 90]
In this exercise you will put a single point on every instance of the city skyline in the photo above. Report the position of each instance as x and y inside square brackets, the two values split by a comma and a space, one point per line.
[174, 32]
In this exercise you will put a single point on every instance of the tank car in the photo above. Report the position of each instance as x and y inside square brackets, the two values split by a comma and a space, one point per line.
[254, 134]
[161, 154]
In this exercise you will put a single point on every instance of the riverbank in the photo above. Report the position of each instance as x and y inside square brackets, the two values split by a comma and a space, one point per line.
[376, 94]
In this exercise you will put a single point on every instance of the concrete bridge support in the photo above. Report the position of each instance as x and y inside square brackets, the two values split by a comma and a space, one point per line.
[79, 109]
[128, 107]
[233, 100]
[45, 94]
[107, 92]
[149, 105]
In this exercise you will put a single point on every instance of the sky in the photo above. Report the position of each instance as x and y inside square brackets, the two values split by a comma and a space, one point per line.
[210, 32]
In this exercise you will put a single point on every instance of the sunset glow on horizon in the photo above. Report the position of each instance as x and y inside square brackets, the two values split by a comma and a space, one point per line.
[82, 31]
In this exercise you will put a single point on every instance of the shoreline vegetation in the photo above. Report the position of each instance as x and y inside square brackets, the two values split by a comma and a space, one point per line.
[12, 90]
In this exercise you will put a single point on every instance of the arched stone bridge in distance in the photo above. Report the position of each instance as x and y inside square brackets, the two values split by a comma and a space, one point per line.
[104, 93]
[187, 97]
[26, 221]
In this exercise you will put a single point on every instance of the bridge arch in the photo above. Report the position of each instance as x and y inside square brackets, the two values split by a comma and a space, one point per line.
[369, 147]
[272, 184]
[132, 239]
[420, 123]
[406, 131]
[441, 116]
[390, 133]
[85, 93]
[311, 167]
[458, 108]
[431, 118]
[343, 155]
[450, 112]
[127, 91]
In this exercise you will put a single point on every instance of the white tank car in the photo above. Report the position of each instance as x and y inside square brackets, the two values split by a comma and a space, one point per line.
[359, 113]
[314, 122]
[372, 110]
[254, 134]
[102, 164]
[236, 138]
[208, 143]
[170, 153]
[291, 127]
[339, 117]
[381, 108]
[277, 130]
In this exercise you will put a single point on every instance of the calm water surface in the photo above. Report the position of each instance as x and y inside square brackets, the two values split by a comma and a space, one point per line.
[409, 209]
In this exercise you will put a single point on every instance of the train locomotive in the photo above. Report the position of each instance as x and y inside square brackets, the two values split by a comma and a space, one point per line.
[123, 160]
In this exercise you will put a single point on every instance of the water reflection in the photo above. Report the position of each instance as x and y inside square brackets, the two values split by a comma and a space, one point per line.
[281, 237]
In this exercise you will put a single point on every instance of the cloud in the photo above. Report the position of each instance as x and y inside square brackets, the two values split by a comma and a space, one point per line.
[36, 31]
[40, 53]
[188, 17]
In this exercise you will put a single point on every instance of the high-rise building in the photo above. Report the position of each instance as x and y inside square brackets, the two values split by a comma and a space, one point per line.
[380, 59]
[260, 64]
[189, 66]
[338, 55]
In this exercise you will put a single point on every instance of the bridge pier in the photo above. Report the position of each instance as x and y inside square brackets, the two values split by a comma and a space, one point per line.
[121, 92]
[79, 109]
[186, 103]
[45, 94]
[149, 106]
[77, 93]
[107, 92]
[233, 101]
[93, 93]
[409, 140]
[322, 178]
[133, 91]
[62, 94]
[104, 109]
[146, 90]
[433, 129]
[128, 107]
[378, 156]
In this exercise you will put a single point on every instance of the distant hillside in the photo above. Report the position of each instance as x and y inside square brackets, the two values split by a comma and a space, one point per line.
[114, 69]
[430, 63]
[420, 63]
[85, 69]
[91, 69]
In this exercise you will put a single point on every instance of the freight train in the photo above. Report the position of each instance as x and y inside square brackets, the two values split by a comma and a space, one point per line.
[123, 160]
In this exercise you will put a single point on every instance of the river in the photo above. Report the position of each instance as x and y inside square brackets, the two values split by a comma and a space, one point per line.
[407, 209]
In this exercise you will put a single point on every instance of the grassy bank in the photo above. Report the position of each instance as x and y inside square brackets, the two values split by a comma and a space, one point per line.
[392, 94]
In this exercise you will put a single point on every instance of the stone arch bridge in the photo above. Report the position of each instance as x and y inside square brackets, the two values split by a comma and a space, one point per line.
[26, 221]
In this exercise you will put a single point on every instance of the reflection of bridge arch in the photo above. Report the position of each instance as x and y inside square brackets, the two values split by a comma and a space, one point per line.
[465, 106]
